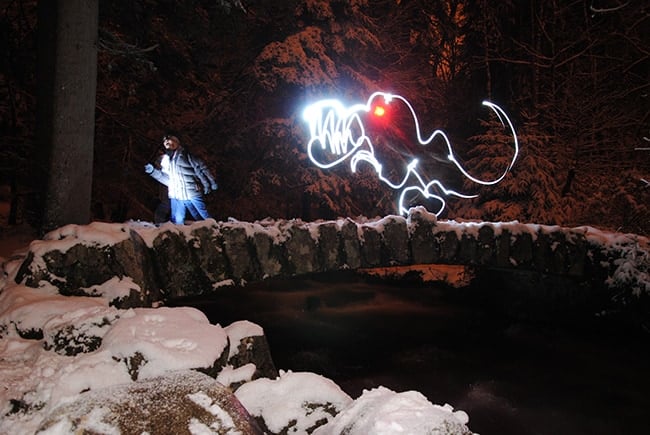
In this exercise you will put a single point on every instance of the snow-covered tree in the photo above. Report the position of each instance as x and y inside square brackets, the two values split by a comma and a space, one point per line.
[530, 192]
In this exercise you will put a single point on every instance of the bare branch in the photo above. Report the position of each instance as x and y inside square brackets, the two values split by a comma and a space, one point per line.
[596, 10]
[111, 43]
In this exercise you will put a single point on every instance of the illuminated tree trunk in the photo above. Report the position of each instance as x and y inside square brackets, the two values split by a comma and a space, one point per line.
[66, 115]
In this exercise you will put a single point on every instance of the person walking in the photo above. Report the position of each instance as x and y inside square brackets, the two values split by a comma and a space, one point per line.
[187, 179]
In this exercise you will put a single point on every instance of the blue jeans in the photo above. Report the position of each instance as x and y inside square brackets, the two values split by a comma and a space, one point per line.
[196, 207]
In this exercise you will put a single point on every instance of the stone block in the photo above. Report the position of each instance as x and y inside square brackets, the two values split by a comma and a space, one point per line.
[448, 246]
[486, 248]
[179, 272]
[577, 249]
[351, 247]
[370, 246]
[328, 246]
[467, 250]
[521, 251]
[237, 247]
[395, 242]
[301, 251]
[206, 245]
[423, 248]
[503, 242]
[269, 255]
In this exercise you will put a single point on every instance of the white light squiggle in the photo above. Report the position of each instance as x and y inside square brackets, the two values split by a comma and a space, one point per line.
[340, 132]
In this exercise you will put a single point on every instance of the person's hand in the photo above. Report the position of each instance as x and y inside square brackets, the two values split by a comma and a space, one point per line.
[148, 168]
[208, 189]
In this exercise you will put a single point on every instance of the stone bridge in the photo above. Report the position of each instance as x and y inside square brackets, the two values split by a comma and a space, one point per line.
[170, 261]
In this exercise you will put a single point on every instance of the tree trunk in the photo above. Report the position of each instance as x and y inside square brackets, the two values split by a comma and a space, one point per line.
[67, 107]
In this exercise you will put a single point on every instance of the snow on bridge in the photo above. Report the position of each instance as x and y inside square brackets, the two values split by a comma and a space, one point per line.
[137, 263]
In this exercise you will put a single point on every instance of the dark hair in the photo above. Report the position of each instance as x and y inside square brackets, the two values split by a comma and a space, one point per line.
[171, 137]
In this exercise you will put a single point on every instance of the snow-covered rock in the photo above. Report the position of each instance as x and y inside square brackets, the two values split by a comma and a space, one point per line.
[184, 402]
[381, 411]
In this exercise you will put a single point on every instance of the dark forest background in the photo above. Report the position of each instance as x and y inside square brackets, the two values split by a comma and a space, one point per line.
[231, 79]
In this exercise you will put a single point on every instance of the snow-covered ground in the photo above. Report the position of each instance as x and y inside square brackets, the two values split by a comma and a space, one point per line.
[35, 381]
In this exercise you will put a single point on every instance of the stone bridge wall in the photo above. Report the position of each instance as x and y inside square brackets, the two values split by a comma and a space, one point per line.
[175, 261]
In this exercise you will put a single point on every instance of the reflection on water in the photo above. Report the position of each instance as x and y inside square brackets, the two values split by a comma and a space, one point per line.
[511, 376]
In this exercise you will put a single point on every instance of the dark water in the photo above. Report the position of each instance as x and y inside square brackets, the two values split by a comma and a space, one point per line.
[581, 374]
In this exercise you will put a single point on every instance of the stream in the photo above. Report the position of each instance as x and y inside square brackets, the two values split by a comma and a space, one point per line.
[513, 375]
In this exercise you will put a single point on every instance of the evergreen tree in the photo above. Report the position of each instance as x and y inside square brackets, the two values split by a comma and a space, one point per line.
[529, 193]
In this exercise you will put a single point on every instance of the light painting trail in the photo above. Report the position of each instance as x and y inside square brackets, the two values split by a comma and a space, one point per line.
[338, 133]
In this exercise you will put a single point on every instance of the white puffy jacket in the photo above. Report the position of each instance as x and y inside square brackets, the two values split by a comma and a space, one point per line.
[185, 175]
